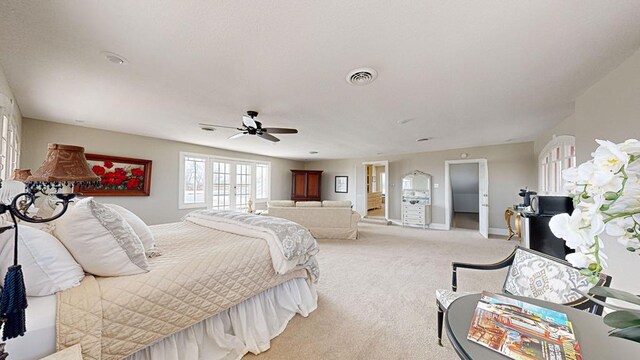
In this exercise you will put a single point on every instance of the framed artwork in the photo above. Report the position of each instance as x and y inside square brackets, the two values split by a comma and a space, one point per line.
[342, 184]
[119, 176]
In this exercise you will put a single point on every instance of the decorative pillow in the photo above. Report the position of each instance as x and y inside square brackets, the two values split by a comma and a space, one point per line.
[308, 204]
[100, 240]
[332, 203]
[537, 277]
[46, 264]
[282, 203]
[140, 228]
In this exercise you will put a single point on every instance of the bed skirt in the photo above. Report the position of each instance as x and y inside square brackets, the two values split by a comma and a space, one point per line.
[246, 327]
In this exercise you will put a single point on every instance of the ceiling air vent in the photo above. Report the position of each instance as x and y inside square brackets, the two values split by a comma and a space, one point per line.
[361, 76]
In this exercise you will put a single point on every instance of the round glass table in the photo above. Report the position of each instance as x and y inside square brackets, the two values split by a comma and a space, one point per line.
[591, 332]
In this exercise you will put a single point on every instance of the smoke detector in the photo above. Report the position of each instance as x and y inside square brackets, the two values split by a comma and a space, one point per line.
[361, 76]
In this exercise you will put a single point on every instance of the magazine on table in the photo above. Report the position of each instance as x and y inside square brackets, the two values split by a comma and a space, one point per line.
[523, 331]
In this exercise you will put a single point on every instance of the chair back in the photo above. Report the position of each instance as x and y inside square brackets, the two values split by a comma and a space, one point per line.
[540, 276]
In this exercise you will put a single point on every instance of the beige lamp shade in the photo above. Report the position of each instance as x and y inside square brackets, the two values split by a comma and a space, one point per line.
[20, 174]
[64, 163]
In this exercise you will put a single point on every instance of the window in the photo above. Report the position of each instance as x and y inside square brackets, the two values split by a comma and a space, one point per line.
[193, 181]
[557, 155]
[262, 182]
[222, 183]
[9, 147]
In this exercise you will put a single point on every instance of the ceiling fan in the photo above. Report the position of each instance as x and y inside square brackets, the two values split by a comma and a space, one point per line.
[250, 126]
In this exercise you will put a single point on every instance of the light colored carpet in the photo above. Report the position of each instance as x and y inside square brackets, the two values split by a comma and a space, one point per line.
[377, 294]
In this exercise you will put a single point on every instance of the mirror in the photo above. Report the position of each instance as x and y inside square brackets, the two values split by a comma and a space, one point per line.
[416, 188]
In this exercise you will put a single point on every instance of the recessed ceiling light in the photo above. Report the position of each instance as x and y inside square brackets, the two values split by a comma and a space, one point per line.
[362, 76]
[313, 152]
[424, 139]
[114, 58]
[404, 121]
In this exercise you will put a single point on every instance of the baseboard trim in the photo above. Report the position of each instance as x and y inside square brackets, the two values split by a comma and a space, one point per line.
[432, 226]
[499, 231]
[438, 226]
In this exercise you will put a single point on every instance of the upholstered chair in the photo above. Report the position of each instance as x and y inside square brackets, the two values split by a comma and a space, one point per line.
[531, 274]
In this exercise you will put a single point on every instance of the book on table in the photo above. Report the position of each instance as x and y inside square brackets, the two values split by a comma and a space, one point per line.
[523, 331]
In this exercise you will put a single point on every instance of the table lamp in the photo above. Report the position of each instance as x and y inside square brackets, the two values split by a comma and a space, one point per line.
[63, 168]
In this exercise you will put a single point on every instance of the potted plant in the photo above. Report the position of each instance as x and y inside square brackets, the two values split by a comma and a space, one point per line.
[606, 196]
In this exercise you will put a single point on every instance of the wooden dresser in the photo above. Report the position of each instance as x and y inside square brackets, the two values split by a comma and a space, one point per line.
[306, 185]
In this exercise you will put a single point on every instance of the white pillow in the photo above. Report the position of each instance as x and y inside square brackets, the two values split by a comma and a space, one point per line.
[140, 228]
[46, 264]
[100, 240]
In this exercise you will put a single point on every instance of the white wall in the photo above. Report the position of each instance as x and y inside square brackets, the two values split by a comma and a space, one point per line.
[511, 167]
[609, 110]
[465, 182]
[162, 205]
[6, 91]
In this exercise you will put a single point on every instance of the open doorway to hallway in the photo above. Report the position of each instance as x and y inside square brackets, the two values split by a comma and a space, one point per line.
[465, 195]
[376, 189]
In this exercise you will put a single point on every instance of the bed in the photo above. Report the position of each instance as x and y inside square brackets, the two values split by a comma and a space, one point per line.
[221, 288]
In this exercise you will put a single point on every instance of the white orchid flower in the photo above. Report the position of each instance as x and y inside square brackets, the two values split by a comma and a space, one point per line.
[631, 146]
[618, 227]
[580, 260]
[629, 242]
[572, 228]
[609, 156]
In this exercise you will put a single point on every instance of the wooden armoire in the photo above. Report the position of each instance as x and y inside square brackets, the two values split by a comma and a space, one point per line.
[306, 185]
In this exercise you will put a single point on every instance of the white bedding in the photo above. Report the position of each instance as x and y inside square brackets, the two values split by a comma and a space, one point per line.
[40, 338]
[246, 327]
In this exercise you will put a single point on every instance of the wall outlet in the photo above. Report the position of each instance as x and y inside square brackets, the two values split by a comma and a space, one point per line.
[435, 186]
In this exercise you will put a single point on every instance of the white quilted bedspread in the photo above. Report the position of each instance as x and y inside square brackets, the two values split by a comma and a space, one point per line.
[202, 272]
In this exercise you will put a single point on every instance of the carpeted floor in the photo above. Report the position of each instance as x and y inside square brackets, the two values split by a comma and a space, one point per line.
[377, 294]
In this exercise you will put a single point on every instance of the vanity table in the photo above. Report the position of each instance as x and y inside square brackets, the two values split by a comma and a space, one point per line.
[416, 199]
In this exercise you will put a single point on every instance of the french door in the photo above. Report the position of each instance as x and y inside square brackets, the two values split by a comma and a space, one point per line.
[231, 185]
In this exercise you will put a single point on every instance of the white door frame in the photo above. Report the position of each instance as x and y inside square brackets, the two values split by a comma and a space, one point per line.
[384, 163]
[483, 194]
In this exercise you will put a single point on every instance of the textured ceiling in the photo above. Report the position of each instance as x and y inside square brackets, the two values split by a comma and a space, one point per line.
[467, 72]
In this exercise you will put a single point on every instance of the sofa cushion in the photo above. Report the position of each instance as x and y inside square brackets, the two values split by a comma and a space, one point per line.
[281, 203]
[308, 204]
[333, 203]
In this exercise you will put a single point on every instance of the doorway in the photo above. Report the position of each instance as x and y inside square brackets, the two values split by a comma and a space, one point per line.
[231, 185]
[467, 195]
[376, 189]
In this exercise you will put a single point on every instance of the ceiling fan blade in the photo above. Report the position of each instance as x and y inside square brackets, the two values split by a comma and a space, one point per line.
[280, 131]
[269, 137]
[249, 122]
[218, 126]
[238, 135]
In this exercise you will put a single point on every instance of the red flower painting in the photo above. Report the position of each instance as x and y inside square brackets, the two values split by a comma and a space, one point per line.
[118, 176]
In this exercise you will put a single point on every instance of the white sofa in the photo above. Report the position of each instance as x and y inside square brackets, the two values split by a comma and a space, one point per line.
[325, 220]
